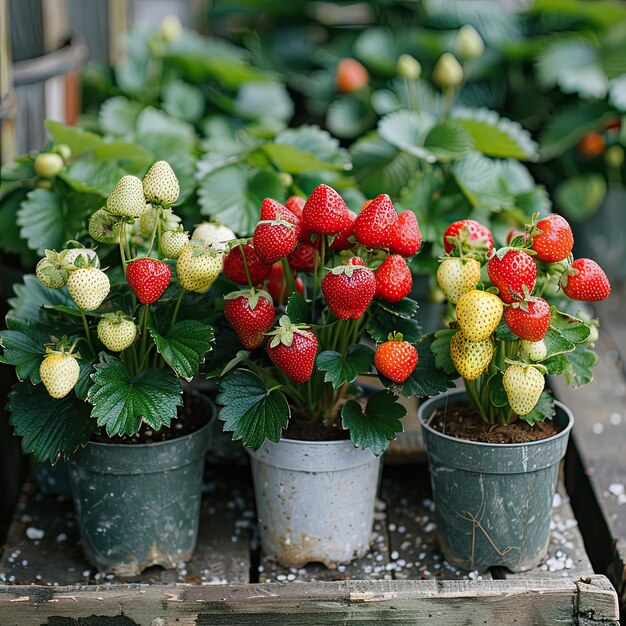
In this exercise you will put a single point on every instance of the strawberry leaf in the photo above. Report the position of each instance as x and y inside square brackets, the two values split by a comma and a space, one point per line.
[440, 347]
[569, 327]
[556, 364]
[544, 409]
[49, 428]
[497, 393]
[298, 309]
[251, 412]
[24, 347]
[120, 402]
[406, 308]
[381, 322]
[344, 369]
[580, 362]
[378, 425]
[183, 347]
[504, 333]
[76, 138]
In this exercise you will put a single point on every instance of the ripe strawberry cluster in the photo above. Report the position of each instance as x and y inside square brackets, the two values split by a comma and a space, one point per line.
[302, 236]
[513, 271]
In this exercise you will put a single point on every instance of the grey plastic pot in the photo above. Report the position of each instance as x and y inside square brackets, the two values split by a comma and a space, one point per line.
[493, 501]
[315, 500]
[139, 505]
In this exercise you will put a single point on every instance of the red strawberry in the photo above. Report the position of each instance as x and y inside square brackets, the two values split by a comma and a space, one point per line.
[376, 226]
[467, 231]
[277, 284]
[148, 278]
[292, 349]
[585, 280]
[529, 319]
[350, 76]
[393, 279]
[325, 211]
[340, 242]
[349, 289]
[395, 359]
[234, 265]
[555, 241]
[274, 210]
[295, 204]
[408, 239]
[303, 257]
[509, 273]
[251, 314]
[274, 240]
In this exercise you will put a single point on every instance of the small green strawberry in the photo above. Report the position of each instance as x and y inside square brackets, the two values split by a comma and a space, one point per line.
[523, 385]
[48, 164]
[148, 220]
[160, 185]
[50, 271]
[59, 372]
[104, 227]
[127, 199]
[116, 331]
[458, 276]
[536, 350]
[88, 287]
[198, 266]
[173, 242]
[471, 358]
[478, 314]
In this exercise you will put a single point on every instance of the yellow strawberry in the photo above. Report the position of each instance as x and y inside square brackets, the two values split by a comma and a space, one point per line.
[471, 358]
[536, 350]
[523, 385]
[458, 276]
[478, 314]
[198, 265]
[59, 373]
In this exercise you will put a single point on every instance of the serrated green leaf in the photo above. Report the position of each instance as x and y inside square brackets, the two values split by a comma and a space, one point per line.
[375, 427]
[581, 360]
[76, 138]
[382, 322]
[124, 152]
[49, 428]
[118, 115]
[313, 139]
[504, 333]
[183, 100]
[183, 347]
[24, 348]
[406, 307]
[19, 169]
[298, 309]
[570, 327]
[344, 369]
[120, 402]
[408, 130]
[580, 197]
[497, 393]
[495, 136]
[86, 363]
[544, 409]
[92, 176]
[30, 298]
[232, 195]
[556, 344]
[249, 411]
[290, 159]
[447, 141]
[556, 364]
[440, 347]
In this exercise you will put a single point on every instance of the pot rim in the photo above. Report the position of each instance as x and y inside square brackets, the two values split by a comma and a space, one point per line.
[454, 392]
[315, 443]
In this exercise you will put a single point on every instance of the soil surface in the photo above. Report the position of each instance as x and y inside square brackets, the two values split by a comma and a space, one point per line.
[464, 422]
[191, 417]
[304, 429]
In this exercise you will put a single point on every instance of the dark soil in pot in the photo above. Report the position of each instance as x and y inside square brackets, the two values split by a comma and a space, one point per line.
[464, 422]
[301, 428]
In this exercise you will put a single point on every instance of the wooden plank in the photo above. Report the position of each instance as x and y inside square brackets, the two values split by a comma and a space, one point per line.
[56, 558]
[444, 602]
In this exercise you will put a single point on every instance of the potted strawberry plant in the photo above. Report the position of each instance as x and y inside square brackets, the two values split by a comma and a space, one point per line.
[305, 345]
[101, 353]
[494, 447]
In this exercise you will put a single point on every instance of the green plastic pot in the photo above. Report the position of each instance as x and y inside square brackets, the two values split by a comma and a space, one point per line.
[493, 501]
[139, 505]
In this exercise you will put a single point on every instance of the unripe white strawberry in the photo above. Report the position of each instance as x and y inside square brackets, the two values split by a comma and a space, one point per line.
[408, 67]
[448, 71]
[458, 276]
[169, 220]
[198, 266]
[536, 350]
[171, 28]
[48, 164]
[116, 331]
[523, 386]
[160, 185]
[59, 373]
[127, 199]
[50, 271]
[104, 227]
[88, 287]
[63, 150]
[147, 220]
[87, 256]
[173, 242]
[214, 234]
[468, 43]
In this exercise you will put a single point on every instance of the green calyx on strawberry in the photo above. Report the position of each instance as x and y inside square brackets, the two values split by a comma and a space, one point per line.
[50, 271]
[552, 238]
[59, 371]
[349, 289]
[513, 271]
[251, 313]
[585, 280]
[117, 331]
[376, 226]
[529, 318]
[274, 210]
[292, 348]
[523, 384]
[274, 240]
[393, 279]
[396, 359]
[148, 278]
[325, 212]
[240, 257]
[467, 238]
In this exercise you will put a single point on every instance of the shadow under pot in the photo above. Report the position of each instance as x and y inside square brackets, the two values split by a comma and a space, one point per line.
[493, 502]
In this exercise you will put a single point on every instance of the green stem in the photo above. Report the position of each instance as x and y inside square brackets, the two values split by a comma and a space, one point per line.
[177, 307]
[245, 266]
[409, 93]
[158, 228]
[87, 333]
[121, 243]
[449, 96]
[154, 229]
[144, 334]
[291, 283]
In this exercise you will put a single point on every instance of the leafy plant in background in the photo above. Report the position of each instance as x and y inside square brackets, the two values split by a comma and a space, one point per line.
[104, 350]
